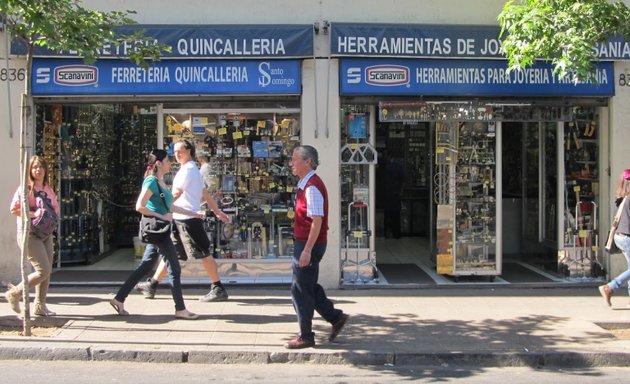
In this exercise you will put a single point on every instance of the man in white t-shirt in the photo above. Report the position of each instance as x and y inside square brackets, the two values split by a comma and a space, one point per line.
[189, 235]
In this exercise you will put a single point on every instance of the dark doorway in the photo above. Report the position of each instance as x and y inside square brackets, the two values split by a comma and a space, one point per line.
[402, 182]
[529, 200]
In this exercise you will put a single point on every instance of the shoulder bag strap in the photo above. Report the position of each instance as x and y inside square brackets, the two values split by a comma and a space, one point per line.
[36, 193]
[162, 195]
[157, 181]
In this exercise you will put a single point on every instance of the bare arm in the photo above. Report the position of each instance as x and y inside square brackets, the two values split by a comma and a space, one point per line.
[144, 197]
[177, 192]
[186, 212]
[17, 204]
[215, 207]
[141, 205]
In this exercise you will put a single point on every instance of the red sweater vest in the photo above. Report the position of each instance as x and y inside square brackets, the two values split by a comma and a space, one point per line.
[302, 223]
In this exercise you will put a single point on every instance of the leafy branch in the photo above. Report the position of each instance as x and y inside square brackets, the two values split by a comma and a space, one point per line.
[65, 25]
[563, 32]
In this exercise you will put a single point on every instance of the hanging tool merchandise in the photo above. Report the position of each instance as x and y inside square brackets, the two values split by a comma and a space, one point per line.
[580, 257]
[96, 155]
[249, 176]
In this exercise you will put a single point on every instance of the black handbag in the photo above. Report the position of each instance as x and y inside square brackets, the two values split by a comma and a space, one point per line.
[153, 229]
[611, 246]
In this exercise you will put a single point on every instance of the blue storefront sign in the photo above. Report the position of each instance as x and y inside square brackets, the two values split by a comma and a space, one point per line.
[436, 41]
[444, 77]
[208, 41]
[61, 77]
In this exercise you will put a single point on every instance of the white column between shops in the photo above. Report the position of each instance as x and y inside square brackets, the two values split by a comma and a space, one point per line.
[320, 105]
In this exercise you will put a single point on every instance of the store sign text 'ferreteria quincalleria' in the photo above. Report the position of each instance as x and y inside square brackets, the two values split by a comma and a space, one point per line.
[180, 77]
[206, 41]
[439, 77]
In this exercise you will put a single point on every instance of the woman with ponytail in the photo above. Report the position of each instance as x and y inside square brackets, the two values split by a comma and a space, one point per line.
[157, 200]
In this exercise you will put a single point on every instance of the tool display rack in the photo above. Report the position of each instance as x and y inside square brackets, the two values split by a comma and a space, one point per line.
[466, 197]
[137, 137]
[249, 176]
[357, 157]
[581, 256]
[47, 145]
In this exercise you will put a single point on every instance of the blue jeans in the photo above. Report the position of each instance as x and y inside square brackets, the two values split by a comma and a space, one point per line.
[152, 252]
[307, 295]
[623, 243]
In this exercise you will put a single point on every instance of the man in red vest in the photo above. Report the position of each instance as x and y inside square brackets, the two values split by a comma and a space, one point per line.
[309, 229]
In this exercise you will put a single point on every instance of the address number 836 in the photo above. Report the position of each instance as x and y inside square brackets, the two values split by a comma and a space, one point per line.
[12, 74]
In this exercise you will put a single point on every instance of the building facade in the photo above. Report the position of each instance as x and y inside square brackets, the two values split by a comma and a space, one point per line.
[423, 137]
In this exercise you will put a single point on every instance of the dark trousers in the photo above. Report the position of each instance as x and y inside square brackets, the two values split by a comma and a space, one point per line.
[307, 295]
[152, 254]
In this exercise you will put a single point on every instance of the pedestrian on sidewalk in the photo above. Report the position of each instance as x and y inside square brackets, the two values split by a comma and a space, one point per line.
[622, 236]
[310, 231]
[40, 251]
[189, 236]
[155, 199]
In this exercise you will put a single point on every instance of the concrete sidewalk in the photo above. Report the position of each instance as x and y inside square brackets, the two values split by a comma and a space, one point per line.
[488, 326]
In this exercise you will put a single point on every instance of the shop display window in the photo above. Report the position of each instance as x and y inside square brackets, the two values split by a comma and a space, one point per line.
[96, 154]
[244, 159]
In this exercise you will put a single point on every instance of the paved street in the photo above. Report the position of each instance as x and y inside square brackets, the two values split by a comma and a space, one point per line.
[132, 373]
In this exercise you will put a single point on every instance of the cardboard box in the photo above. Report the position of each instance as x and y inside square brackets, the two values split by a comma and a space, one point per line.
[445, 264]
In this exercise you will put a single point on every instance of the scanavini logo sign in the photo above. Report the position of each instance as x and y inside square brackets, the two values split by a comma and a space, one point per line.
[76, 75]
[387, 75]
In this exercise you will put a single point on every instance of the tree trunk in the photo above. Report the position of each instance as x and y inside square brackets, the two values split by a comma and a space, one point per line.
[24, 212]
[26, 124]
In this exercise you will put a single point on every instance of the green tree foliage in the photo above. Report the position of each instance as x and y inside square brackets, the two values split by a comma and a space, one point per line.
[66, 25]
[563, 32]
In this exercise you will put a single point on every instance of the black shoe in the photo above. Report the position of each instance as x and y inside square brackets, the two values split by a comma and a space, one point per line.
[336, 328]
[147, 289]
[217, 293]
[299, 343]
